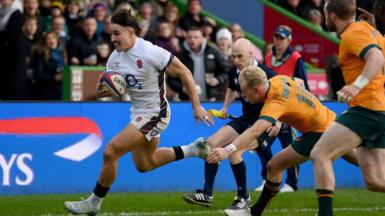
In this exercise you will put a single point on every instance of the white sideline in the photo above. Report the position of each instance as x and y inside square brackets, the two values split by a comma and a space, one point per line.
[207, 212]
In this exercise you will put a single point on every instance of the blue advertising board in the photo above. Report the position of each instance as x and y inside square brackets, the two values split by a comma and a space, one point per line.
[58, 148]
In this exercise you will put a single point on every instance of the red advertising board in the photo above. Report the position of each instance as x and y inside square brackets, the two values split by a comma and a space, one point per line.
[318, 84]
[313, 47]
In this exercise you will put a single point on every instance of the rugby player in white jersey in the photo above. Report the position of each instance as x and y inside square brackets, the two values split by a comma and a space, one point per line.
[144, 66]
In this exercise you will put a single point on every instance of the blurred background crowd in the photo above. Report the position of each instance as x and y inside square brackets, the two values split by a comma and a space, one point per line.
[38, 38]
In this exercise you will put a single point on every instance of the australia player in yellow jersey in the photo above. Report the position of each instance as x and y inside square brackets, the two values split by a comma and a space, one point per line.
[287, 102]
[362, 125]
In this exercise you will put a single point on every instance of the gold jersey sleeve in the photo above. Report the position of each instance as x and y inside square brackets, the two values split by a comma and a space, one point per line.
[295, 106]
[356, 41]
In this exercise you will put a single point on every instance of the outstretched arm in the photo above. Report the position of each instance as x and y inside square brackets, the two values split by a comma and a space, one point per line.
[178, 69]
[246, 140]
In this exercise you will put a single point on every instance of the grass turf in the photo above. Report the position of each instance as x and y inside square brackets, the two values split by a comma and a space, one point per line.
[347, 202]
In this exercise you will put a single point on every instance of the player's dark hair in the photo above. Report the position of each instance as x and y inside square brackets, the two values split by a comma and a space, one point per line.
[344, 9]
[124, 18]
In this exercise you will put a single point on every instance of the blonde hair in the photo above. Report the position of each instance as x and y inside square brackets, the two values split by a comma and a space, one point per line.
[254, 76]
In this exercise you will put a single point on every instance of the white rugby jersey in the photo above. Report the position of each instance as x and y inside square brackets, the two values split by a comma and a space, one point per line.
[143, 67]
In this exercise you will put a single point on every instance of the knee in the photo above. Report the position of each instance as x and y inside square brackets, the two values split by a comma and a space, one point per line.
[317, 156]
[142, 168]
[374, 184]
[273, 168]
[212, 142]
[110, 154]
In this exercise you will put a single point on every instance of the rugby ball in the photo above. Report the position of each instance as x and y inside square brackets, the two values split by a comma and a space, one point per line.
[114, 81]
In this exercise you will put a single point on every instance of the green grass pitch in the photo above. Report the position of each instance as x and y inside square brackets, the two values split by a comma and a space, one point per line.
[347, 202]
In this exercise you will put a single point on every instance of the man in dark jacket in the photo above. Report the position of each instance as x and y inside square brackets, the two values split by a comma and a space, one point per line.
[81, 49]
[209, 68]
[13, 52]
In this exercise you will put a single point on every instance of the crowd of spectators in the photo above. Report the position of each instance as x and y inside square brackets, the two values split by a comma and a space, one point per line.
[39, 37]
[312, 10]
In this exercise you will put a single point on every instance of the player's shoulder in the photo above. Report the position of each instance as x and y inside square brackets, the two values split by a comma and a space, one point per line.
[113, 57]
[279, 83]
[278, 79]
[358, 29]
[147, 47]
[151, 52]
[114, 54]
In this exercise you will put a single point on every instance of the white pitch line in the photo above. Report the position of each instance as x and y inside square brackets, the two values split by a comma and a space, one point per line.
[208, 212]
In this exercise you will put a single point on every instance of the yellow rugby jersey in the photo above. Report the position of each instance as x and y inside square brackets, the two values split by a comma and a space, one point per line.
[294, 105]
[356, 40]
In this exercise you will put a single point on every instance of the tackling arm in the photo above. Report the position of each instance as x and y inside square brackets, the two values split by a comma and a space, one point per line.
[246, 140]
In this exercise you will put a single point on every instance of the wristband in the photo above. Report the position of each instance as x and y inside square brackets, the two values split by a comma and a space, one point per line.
[231, 148]
[361, 82]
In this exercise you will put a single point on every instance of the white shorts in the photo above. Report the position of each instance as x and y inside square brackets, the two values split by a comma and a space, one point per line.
[150, 125]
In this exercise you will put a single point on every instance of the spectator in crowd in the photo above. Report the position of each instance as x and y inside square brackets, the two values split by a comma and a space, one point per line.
[103, 51]
[163, 36]
[30, 32]
[145, 18]
[72, 17]
[307, 6]
[44, 8]
[58, 26]
[82, 49]
[209, 69]
[12, 51]
[209, 30]
[193, 16]
[100, 11]
[31, 9]
[292, 6]
[105, 35]
[47, 62]
[282, 59]
[237, 32]
[31, 37]
[224, 43]
[56, 10]
[267, 48]
[126, 5]
[171, 15]
[159, 7]
[315, 17]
